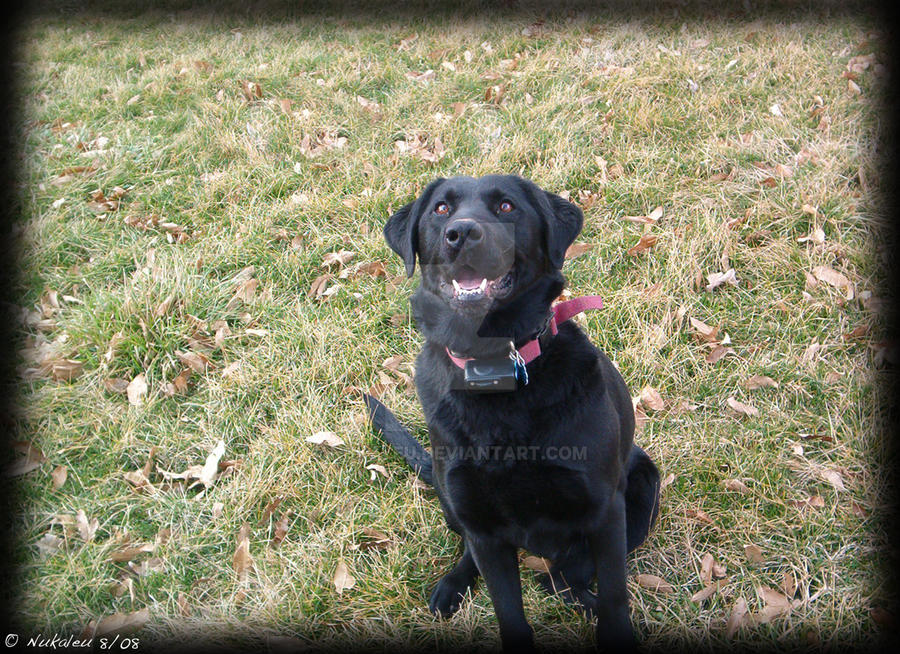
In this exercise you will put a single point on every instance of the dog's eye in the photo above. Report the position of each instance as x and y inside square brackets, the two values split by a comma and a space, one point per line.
[441, 208]
[506, 206]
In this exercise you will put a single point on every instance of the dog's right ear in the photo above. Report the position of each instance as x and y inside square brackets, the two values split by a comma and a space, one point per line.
[402, 229]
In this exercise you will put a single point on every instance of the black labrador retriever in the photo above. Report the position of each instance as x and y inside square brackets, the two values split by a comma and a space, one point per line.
[547, 465]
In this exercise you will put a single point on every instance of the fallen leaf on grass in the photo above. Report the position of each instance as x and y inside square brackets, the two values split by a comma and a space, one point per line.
[242, 561]
[753, 553]
[86, 528]
[646, 242]
[537, 563]
[654, 583]
[343, 580]
[708, 591]
[741, 408]
[210, 466]
[577, 249]
[281, 527]
[243, 294]
[736, 485]
[651, 399]
[130, 552]
[122, 623]
[137, 390]
[32, 459]
[328, 438]
[193, 360]
[718, 352]
[737, 619]
[776, 605]
[378, 540]
[375, 469]
[717, 279]
[812, 502]
[650, 219]
[760, 381]
[49, 543]
[834, 278]
[833, 477]
[703, 332]
[59, 475]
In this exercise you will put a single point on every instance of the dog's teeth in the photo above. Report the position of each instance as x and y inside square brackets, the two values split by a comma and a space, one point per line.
[483, 285]
[456, 286]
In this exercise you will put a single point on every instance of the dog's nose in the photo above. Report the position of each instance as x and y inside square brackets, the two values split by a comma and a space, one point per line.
[461, 231]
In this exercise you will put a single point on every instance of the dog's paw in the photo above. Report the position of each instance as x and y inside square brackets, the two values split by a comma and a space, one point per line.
[447, 596]
[580, 598]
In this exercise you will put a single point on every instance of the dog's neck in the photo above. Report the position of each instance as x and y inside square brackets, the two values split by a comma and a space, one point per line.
[520, 320]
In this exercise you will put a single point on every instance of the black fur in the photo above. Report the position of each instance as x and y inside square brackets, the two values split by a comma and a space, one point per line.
[550, 467]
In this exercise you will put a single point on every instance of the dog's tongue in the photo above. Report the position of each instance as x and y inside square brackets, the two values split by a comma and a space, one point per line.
[468, 279]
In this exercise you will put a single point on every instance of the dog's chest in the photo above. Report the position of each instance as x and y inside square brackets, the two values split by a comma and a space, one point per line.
[523, 495]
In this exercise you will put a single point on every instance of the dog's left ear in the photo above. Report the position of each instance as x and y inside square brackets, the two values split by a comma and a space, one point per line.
[402, 229]
[563, 225]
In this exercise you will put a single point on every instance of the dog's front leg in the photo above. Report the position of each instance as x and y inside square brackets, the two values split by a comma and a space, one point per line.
[498, 564]
[609, 549]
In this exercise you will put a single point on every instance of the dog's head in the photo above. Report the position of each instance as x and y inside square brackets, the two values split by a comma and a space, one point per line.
[491, 250]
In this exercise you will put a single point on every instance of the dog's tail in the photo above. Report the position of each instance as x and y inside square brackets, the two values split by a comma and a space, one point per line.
[385, 423]
[641, 496]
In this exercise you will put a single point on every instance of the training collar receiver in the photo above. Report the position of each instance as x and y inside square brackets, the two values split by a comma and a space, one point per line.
[495, 374]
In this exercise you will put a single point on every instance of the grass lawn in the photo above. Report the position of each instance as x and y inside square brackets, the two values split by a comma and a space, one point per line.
[202, 262]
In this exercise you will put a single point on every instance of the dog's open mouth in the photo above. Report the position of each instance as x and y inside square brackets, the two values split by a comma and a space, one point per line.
[466, 285]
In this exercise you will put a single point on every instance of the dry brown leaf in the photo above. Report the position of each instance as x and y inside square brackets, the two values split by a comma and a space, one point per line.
[760, 381]
[242, 561]
[328, 438]
[193, 360]
[343, 580]
[252, 90]
[122, 623]
[211, 465]
[243, 294]
[737, 619]
[836, 279]
[180, 383]
[646, 242]
[136, 390]
[753, 553]
[376, 469]
[741, 408]
[714, 280]
[651, 399]
[718, 352]
[538, 563]
[736, 485]
[703, 332]
[86, 528]
[577, 249]
[318, 287]
[708, 591]
[59, 475]
[654, 583]
[378, 540]
[281, 527]
[776, 605]
[130, 552]
[31, 461]
[116, 385]
[834, 478]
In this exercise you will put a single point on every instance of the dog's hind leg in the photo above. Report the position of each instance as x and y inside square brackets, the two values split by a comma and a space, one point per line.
[446, 597]
[641, 496]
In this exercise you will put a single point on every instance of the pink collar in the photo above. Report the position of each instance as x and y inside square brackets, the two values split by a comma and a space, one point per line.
[562, 312]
